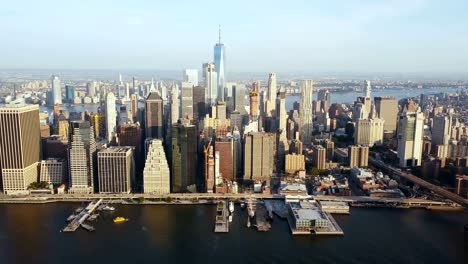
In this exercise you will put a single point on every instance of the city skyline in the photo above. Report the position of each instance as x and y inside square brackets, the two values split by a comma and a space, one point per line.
[400, 36]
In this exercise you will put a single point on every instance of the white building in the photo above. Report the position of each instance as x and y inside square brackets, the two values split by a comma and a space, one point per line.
[410, 137]
[369, 131]
[111, 116]
[53, 171]
[211, 83]
[156, 176]
[116, 170]
[56, 90]
[271, 95]
[191, 75]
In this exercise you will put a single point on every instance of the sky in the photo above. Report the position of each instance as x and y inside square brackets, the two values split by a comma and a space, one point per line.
[260, 36]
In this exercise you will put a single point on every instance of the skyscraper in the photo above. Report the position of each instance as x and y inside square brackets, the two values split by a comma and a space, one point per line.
[358, 156]
[319, 157]
[184, 156]
[219, 61]
[111, 116]
[191, 76]
[386, 108]
[187, 100]
[56, 89]
[306, 112]
[81, 157]
[174, 106]
[154, 116]
[69, 94]
[239, 98]
[271, 96]
[254, 108]
[259, 151]
[441, 129]
[91, 89]
[211, 83]
[227, 150]
[116, 170]
[199, 106]
[19, 146]
[369, 131]
[410, 135]
[156, 176]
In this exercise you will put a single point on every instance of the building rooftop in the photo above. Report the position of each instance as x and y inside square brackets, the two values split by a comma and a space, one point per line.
[116, 150]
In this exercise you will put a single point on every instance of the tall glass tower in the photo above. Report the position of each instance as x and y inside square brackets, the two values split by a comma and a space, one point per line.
[219, 61]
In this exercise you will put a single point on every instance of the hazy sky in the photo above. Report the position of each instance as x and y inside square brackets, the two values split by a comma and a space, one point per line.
[271, 35]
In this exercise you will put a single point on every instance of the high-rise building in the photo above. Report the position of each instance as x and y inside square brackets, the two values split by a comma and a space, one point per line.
[410, 136]
[19, 146]
[156, 176]
[324, 97]
[130, 135]
[154, 116]
[81, 157]
[369, 131]
[271, 96]
[319, 157]
[294, 163]
[441, 129]
[116, 170]
[134, 104]
[259, 152]
[56, 90]
[219, 61]
[174, 105]
[386, 108]
[227, 149]
[211, 83]
[56, 147]
[91, 89]
[191, 76]
[306, 112]
[254, 107]
[184, 156]
[239, 98]
[358, 156]
[199, 105]
[111, 116]
[69, 94]
[53, 171]
[209, 169]
[187, 100]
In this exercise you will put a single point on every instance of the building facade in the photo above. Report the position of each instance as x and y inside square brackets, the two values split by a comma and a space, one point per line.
[19, 146]
[156, 175]
[116, 170]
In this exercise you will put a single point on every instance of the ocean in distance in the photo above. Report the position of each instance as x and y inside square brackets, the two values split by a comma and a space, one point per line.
[184, 234]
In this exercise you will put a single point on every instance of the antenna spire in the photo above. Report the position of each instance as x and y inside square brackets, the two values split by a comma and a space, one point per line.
[219, 34]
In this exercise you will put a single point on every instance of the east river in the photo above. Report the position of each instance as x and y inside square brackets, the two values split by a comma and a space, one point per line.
[184, 234]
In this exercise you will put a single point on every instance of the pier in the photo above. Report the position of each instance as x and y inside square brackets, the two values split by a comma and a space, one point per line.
[82, 216]
[222, 215]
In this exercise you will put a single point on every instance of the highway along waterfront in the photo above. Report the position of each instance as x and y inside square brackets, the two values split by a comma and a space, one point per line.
[30, 233]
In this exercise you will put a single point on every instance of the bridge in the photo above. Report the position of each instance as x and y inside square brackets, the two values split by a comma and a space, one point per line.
[436, 189]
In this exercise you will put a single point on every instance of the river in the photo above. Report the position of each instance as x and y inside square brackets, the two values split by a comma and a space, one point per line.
[184, 234]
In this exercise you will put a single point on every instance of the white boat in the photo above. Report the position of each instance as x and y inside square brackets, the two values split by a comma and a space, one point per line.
[71, 217]
[108, 208]
[231, 207]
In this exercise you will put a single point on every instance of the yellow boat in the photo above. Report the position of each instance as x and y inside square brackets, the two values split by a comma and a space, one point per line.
[120, 219]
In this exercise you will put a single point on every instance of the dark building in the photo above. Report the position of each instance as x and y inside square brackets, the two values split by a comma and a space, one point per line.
[199, 106]
[154, 116]
[184, 157]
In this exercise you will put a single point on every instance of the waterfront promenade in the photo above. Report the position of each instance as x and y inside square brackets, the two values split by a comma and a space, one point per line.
[197, 198]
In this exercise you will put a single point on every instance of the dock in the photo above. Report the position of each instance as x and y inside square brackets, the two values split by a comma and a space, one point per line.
[222, 218]
[82, 216]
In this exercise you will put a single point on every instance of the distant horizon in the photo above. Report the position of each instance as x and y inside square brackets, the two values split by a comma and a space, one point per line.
[111, 74]
[394, 36]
